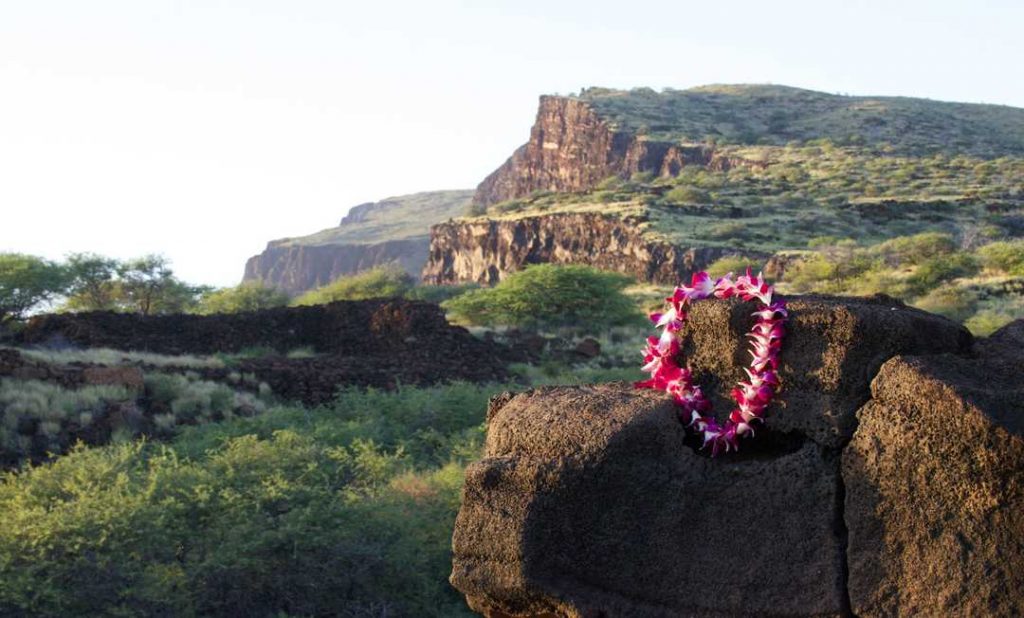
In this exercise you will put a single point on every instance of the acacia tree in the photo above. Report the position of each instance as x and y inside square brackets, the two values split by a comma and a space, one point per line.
[92, 282]
[27, 281]
[148, 285]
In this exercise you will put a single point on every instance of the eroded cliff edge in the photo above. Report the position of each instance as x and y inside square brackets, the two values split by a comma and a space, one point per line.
[486, 250]
[395, 230]
[888, 481]
[573, 148]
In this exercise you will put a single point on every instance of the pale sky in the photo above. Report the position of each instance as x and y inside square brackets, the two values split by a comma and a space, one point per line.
[203, 129]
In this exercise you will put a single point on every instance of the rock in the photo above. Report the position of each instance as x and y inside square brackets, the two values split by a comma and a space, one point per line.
[395, 230]
[832, 350]
[587, 503]
[573, 147]
[593, 501]
[486, 251]
[935, 487]
[588, 348]
[128, 377]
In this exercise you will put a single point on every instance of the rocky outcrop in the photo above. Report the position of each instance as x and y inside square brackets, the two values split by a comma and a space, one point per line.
[297, 268]
[395, 230]
[485, 251]
[935, 486]
[593, 501]
[573, 148]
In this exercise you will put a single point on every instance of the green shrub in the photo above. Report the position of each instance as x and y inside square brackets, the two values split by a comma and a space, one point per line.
[736, 264]
[933, 271]
[245, 297]
[953, 302]
[548, 295]
[916, 249]
[439, 293]
[382, 282]
[688, 195]
[1006, 257]
[986, 322]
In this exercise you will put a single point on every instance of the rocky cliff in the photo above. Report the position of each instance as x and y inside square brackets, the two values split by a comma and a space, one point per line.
[572, 148]
[887, 482]
[393, 230]
[485, 251]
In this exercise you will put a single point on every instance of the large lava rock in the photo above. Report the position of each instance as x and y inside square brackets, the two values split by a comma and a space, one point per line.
[935, 486]
[590, 501]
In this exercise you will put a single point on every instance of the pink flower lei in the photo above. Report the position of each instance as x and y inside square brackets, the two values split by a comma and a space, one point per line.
[752, 396]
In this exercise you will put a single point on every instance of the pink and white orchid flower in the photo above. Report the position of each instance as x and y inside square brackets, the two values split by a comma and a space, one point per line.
[753, 396]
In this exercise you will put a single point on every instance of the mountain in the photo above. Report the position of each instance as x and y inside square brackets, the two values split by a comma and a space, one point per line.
[578, 141]
[395, 229]
[686, 177]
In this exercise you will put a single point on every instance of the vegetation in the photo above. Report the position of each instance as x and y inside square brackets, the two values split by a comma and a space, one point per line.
[347, 512]
[403, 217]
[248, 296]
[386, 281]
[26, 282]
[39, 418]
[777, 115]
[549, 296]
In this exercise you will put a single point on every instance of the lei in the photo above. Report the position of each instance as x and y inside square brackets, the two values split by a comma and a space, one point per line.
[752, 396]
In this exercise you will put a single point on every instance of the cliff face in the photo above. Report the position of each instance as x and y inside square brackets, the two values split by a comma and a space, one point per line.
[297, 268]
[486, 251]
[393, 230]
[572, 148]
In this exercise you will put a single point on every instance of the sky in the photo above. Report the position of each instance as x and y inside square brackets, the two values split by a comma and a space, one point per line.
[200, 130]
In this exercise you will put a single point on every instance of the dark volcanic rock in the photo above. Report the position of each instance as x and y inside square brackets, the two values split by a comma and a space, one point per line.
[832, 350]
[592, 501]
[587, 503]
[935, 488]
[487, 251]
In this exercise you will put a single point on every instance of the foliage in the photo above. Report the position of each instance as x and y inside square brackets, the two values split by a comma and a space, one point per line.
[548, 295]
[26, 281]
[1006, 257]
[92, 282]
[386, 281]
[348, 511]
[439, 293]
[737, 264]
[108, 357]
[248, 296]
[148, 286]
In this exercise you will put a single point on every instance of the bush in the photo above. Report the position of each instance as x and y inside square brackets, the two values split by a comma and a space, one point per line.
[688, 195]
[734, 264]
[346, 512]
[934, 271]
[986, 322]
[916, 249]
[950, 301]
[381, 282]
[439, 293]
[1006, 257]
[546, 295]
[245, 297]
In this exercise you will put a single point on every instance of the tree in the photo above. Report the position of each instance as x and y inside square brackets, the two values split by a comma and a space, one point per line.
[250, 296]
[92, 285]
[27, 281]
[386, 281]
[548, 295]
[148, 286]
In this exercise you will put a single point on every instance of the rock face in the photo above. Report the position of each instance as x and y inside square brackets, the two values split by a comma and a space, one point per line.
[572, 148]
[592, 501]
[297, 268]
[395, 230]
[487, 251]
[935, 486]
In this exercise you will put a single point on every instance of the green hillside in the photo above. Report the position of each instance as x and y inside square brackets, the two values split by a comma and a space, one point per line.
[776, 115]
[393, 218]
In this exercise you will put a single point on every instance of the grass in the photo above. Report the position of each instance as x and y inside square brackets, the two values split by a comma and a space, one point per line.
[777, 115]
[109, 357]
